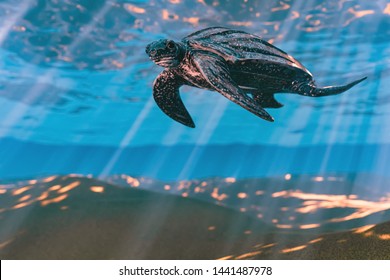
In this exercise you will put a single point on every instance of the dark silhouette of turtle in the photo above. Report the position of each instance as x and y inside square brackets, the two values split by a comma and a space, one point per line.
[240, 66]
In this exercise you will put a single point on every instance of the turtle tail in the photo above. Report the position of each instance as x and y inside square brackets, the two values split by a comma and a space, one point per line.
[314, 91]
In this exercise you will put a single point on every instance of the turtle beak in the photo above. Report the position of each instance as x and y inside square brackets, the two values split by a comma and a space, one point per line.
[147, 49]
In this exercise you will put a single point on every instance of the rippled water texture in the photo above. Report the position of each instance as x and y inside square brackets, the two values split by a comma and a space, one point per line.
[76, 71]
[76, 98]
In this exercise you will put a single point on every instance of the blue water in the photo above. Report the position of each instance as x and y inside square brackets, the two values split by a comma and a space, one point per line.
[76, 91]
[76, 105]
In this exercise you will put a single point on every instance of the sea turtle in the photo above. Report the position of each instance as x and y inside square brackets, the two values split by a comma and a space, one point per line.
[242, 67]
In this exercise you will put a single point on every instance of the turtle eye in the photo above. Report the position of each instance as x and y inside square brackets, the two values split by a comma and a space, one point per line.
[170, 45]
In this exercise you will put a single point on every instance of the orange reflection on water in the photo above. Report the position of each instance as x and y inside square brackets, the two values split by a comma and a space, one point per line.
[3, 191]
[19, 28]
[386, 11]
[134, 9]
[295, 15]
[117, 64]
[167, 16]
[211, 228]
[357, 14]
[360, 14]
[97, 189]
[69, 187]
[284, 6]
[241, 23]
[193, 20]
[54, 200]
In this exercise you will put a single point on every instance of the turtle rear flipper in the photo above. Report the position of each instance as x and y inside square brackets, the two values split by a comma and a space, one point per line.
[313, 91]
[266, 100]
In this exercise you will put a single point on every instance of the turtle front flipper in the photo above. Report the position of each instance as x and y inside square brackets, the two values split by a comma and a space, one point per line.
[167, 96]
[215, 71]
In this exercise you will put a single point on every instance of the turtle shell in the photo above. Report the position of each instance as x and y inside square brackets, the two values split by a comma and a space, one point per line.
[237, 46]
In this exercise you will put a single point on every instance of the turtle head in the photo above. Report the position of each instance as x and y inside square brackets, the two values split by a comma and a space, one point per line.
[165, 53]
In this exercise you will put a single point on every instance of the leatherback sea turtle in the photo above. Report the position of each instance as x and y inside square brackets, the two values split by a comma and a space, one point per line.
[240, 66]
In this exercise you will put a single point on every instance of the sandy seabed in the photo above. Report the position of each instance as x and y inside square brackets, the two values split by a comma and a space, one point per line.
[73, 217]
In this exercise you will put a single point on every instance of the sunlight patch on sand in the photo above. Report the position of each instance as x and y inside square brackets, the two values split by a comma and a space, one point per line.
[217, 196]
[242, 195]
[5, 243]
[225, 258]
[49, 179]
[384, 236]
[309, 226]
[23, 204]
[248, 255]
[69, 187]
[21, 190]
[363, 229]
[43, 195]
[230, 180]
[55, 188]
[97, 189]
[24, 198]
[316, 240]
[54, 200]
[284, 226]
[294, 249]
